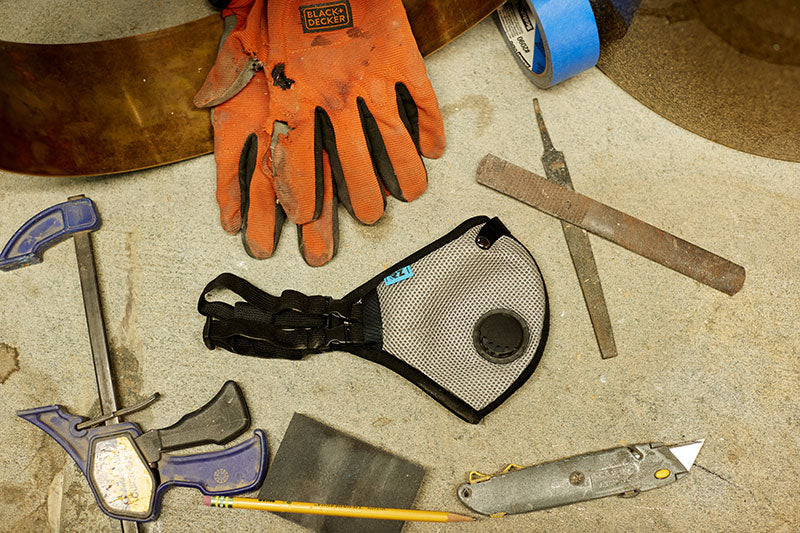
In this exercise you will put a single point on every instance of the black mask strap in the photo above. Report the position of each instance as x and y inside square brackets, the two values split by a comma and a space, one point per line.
[288, 326]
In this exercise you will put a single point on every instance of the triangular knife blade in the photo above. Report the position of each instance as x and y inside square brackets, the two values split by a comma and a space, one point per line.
[687, 452]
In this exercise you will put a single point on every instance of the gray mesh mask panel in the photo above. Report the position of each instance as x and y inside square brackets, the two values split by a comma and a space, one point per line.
[429, 318]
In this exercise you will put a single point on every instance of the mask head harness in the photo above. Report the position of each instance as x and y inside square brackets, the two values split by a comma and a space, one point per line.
[464, 318]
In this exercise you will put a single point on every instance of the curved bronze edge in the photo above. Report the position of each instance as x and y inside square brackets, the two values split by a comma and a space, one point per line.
[437, 22]
[120, 105]
[105, 107]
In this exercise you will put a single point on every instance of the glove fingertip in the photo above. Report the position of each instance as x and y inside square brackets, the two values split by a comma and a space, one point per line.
[422, 117]
[431, 138]
[231, 224]
[415, 190]
[229, 75]
[229, 202]
[316, 260]
[319, 240]
[315, 252]
[252, 248]
[434, 149]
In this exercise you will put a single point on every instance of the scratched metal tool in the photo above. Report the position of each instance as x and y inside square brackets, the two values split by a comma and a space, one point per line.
[620, 228]
[555, 167]
[97, 336]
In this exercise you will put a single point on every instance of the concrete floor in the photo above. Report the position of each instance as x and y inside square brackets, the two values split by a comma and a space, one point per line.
[693, 362]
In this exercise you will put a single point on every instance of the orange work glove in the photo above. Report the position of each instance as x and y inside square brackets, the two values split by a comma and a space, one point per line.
[348, 77]
[348, 81]
[238, 88]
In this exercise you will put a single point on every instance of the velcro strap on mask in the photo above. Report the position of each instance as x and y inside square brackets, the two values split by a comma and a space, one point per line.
[288, 326]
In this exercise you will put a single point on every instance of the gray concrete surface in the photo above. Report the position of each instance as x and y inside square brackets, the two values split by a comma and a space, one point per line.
[693, 362]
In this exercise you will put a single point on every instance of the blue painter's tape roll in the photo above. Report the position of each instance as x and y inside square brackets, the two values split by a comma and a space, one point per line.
[552, 39]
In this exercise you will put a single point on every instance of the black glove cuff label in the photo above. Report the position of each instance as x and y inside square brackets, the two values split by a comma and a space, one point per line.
[326, 17]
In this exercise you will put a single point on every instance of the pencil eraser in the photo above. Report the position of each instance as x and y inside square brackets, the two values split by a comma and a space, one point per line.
[207, 500]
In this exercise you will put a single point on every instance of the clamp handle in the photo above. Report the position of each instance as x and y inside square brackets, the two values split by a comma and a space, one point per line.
[234, 470]
[221, 420]
[46, 229]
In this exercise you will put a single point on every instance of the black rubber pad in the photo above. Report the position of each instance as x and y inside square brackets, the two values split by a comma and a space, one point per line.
[316, 463]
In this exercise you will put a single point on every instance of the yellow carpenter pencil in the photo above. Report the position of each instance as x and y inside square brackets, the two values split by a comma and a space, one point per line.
[335, 510]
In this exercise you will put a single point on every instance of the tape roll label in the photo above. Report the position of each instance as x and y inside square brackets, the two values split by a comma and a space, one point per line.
[552, 39]
[517, 22]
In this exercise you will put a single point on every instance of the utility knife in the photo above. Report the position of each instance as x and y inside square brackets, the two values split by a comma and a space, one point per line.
[625, 471]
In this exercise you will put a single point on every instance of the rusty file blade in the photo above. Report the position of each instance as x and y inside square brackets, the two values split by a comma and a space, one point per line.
[604, 221]
[580, 249]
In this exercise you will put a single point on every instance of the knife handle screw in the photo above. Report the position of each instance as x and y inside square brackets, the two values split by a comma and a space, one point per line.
[577, 478]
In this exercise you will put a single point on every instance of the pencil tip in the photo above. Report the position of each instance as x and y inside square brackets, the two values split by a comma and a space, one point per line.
[453, 517]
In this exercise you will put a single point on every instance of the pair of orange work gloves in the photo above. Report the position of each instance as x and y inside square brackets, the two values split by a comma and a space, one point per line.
[347, 79]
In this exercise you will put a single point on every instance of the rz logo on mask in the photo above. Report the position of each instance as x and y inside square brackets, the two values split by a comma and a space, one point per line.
[326, 17]
[398, 276]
